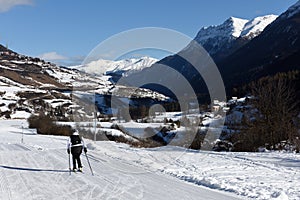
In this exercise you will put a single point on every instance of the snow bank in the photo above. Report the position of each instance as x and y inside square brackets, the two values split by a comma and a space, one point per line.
[252, 175]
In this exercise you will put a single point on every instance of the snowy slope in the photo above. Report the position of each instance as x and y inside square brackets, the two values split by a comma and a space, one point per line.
[38, 169]
[271, 175]
[236, 27]
[24, 79]
[232, 27]
[255, 26]
[120, 67]
[220, 37]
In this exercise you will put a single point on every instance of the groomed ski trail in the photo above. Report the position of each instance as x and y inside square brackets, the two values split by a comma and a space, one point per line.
[38, 169]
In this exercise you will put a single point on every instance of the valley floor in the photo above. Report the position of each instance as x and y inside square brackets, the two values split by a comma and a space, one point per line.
[37, 168]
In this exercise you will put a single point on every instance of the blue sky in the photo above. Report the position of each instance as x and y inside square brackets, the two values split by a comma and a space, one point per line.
[70, 29]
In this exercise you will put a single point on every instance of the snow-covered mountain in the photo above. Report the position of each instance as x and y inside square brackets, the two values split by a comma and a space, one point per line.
[255, 26]
[29, 85]
[231, 28]
[216, 39]
[241, 47]
[276, 49]
[119, 67]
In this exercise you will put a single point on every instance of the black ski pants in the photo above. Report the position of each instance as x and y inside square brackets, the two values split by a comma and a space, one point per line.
[76, 152]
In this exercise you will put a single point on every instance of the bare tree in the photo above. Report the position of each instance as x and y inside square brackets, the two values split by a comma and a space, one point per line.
[276, 104]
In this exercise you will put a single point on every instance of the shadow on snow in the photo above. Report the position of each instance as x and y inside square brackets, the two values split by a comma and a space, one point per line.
[32, 169]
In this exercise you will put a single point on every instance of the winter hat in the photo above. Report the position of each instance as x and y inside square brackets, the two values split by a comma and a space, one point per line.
[76, 133]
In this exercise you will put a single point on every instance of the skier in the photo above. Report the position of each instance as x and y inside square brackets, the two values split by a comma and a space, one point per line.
[74, 146]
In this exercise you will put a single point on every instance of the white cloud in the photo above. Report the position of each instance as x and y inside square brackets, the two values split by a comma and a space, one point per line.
[52, 56]
[58, 59]
[6, 5]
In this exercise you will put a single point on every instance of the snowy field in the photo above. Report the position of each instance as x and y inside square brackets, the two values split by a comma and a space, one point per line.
[37, 168]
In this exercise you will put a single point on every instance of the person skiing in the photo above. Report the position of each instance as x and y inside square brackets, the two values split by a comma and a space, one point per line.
[75, 145]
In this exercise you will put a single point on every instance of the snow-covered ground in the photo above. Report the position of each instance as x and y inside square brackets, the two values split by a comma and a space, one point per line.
[38, 169]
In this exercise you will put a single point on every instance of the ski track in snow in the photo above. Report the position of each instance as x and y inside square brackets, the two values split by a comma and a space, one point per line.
[38, 169]
[37, 172]
[251, 175]
[4, 184]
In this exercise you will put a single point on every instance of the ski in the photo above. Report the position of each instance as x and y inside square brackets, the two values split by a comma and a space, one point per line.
[77, 171]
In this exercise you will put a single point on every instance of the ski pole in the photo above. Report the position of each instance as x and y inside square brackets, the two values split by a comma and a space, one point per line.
[69, 162]
[89, 163]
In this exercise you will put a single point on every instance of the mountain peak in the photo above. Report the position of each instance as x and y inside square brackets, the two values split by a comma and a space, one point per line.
[221, 37]
[255, 26]
[121, 67]
[235, 19]
[232, 27]
[236, 25]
